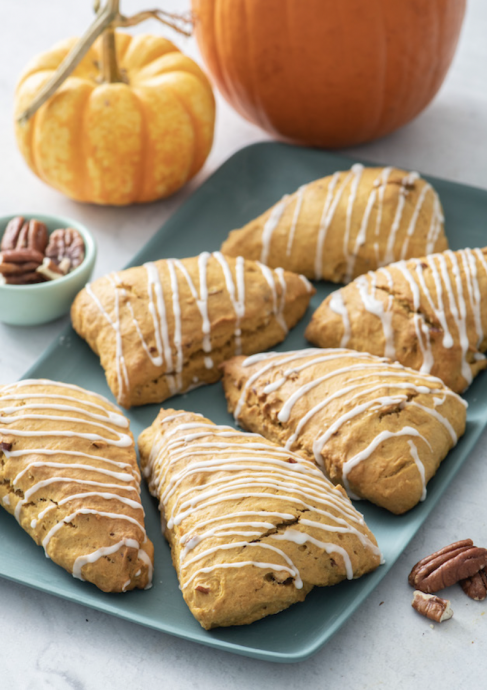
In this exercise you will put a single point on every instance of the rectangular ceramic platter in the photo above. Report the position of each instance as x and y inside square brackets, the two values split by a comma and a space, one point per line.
[245, 186]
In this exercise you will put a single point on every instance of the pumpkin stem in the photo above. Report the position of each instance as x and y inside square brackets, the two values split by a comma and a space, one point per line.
[103, 19]
[107, 18]
[109, 65]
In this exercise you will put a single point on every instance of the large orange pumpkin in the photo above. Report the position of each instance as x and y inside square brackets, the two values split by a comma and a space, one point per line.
[134, 140]
[328, 72]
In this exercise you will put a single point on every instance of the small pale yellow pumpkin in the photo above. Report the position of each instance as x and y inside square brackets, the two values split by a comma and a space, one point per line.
[130, 141]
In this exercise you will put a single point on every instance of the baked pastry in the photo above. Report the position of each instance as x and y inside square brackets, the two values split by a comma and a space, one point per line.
[429, 314]
[252, 527]
[163, 328]
[69, 474]
[346, 224]
[373, 426]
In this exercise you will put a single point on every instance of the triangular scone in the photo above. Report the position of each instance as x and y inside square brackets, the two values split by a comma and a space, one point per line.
[252, 527]
[346, 224]
[375, 427]
[429, 314]
[69, 474]
[164, 328]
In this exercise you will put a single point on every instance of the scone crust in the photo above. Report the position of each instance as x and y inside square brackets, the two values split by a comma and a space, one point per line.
[376, 428]
[164, 328]
[231, 505]
[69, 474]
[429, 314]
[346, 224]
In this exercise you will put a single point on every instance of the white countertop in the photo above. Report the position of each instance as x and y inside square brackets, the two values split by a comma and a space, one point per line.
[48, 643]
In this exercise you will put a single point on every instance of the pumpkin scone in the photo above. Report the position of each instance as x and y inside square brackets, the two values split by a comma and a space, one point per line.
[252, 527]
[346, 224]
[164, 328]
[375, 427]
[69, 475]
[429, 314]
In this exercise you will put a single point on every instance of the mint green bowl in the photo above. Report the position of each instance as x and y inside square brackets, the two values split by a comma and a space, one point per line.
[31, 305]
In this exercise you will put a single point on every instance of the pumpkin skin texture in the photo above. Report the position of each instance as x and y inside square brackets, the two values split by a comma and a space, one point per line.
[328, 73]
[118, 143]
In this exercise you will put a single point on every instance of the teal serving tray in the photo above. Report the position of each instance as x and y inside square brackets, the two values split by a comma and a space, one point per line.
[245, 186]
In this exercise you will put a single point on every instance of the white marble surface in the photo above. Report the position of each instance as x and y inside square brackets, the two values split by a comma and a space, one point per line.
[48, 643]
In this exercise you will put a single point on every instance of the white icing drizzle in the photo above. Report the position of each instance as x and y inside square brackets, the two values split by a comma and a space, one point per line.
[78, 410]
[377, 307]
[382, 188]
[235, 471]
[389, 253]
[361, 236]
[326, 218]
[277, 308]
[122, 374]
[414, 219]
[166, 351]
[297, 211]
[357, 171]
[269, 227]
[435, 226]
[357, 387]
[337, 305]
[237, 295]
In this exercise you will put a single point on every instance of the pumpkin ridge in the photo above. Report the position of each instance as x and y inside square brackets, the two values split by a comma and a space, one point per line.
[84, 177]
[199, 141]
[139, 188]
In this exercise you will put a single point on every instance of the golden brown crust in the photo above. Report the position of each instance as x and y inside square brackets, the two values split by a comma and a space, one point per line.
[252, 527]
[146, 323]
[68, 472]
[400, 312]
[373, 426]
[346, 224]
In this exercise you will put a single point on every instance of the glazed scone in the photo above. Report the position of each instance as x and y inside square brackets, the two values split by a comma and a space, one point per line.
[346, 224]
[375, 427]
[69, 475]
[252, 527]
[429, 314]
[164, 328]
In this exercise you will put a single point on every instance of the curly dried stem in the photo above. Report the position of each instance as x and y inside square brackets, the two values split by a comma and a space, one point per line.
[107, 18]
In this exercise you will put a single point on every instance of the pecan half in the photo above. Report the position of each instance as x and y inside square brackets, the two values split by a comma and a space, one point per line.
[25, 235]
[447, 566]
[476, 586]
[18, 266]
[434, 608]
[66, 249]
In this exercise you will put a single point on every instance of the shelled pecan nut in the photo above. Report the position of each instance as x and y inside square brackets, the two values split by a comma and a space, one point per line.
[66, 249]
[434, 608]
[476, 586]
[448, 566]
[21, 256]
[31, 234]
[10, 269]
[22, 279]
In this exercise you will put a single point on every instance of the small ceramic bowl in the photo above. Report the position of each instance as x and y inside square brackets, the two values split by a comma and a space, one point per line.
[30, 305]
